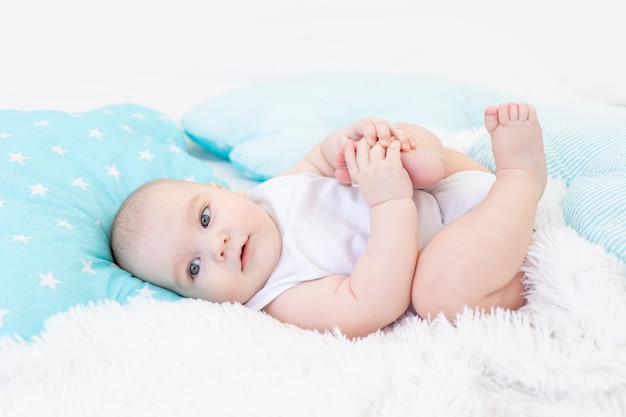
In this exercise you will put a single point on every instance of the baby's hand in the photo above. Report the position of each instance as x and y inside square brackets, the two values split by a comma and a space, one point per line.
[371, 130]
[378, 171]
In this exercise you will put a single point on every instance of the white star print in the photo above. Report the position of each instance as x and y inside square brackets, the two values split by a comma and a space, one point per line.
[78, 182]
[138, 116]
[147, 155]
[145, 292]
[64, 223]
[112, 170]
[3, 313]
[95, 133]
[148, 137]
[21, 238]
[191, 179]
[2, 203]
[174, 148]
[49, 280]
[87, 267]
[127, 128]
[38, 189]
[58, 149]
[42, 123]
[18, 157]
[4, 135]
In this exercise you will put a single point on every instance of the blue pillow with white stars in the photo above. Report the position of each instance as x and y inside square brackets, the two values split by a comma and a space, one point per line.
[64, 175]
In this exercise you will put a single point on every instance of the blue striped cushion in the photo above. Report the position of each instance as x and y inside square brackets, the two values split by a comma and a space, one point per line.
[585, 146]
[596, 207]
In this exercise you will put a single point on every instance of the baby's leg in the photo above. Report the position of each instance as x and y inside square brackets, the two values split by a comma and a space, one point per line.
[426, 168]
[430, 162]
[475, 260]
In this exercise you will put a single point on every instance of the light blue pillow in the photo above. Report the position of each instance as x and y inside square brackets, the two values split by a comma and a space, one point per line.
[586, 146]
[64, 176]
[266, 128]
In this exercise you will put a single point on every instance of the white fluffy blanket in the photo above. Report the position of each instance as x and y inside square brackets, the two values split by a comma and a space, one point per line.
[564, 354]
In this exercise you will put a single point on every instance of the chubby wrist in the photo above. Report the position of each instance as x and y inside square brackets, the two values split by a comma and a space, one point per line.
[400, 200]
[394, 221]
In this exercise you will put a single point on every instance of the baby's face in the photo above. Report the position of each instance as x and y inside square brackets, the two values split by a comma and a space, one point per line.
[205, 242]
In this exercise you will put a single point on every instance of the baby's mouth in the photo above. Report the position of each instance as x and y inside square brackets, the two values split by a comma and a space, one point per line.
[244, 255]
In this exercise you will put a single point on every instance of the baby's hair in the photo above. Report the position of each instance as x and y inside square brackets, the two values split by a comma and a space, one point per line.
[128, 224]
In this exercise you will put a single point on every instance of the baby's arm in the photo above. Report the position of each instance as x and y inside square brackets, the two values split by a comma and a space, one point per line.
[378, 290]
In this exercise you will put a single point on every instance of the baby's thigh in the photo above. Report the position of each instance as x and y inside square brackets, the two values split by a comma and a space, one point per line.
[426, 295]
[431, 296]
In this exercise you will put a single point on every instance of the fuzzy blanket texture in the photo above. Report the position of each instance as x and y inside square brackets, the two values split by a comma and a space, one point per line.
[563, 354]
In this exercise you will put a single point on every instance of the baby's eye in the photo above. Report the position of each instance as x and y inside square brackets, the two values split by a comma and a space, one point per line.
[194, 268]
[205, 217]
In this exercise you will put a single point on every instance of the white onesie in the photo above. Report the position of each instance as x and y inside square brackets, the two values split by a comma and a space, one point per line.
[325, 224]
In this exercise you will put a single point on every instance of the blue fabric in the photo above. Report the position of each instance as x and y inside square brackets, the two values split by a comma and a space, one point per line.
[265, 128]
[64, 176]
[585, 146]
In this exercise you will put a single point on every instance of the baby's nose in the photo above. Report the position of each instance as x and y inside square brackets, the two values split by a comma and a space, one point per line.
[221, 244]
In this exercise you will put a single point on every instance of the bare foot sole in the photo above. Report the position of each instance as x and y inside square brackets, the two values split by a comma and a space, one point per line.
[517, 141]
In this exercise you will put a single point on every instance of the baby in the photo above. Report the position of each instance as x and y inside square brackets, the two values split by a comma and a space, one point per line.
[422, 227]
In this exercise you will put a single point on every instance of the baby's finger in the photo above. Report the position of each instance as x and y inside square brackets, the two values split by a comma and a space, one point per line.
[362, 153]
[340, 157]
[405, 141]
[377, 153]
[368, 129]
[341, 172]
[383, 133]
[350, 156]
[393, 151]
[363, 129]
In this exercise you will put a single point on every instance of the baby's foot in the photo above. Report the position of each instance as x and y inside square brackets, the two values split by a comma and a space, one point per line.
[517, 142]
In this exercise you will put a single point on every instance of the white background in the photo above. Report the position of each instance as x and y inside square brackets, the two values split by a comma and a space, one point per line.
[121, 45]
